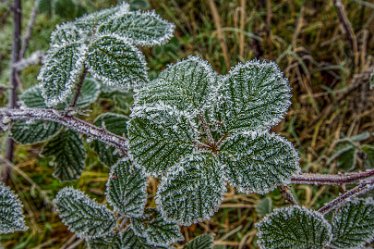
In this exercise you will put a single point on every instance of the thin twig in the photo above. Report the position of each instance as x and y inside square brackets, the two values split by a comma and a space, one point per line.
[360, 189]
[27, 36]
[70, 122]
[287, 195]
[35, 58]
[320, 179]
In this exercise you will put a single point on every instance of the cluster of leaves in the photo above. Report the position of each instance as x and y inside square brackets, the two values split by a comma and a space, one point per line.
[351, 226]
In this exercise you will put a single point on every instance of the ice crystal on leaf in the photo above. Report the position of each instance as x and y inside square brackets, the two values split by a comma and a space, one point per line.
[353, 224]
[201, 242]
[82, 215]
[12, 219]
[130, 241]
[294, 227]
[197, 130]
[107, 242]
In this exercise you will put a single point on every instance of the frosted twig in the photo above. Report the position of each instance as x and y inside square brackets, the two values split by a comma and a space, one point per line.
[320, 179]
[70, 122]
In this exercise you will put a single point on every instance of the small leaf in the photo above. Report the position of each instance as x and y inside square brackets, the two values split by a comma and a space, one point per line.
[186, 85]
[156, 230]
[83, 216]
[204, 241]
[345, 155]
[116, 63]
[126, 189]
[68, 154]
[353, 223]
[33, 98]
[253, 96]
[191, 191]
[61, 70]
[107, 242]
[294, 227]
[258, 162]
[369, 155]
[157, 147]
[12, 219]
[115, 123]
[34, 132]
[141, 28]
[131, 241]
[264, 206]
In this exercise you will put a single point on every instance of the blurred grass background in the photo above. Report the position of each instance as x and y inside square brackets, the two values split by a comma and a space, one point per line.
[331, 97]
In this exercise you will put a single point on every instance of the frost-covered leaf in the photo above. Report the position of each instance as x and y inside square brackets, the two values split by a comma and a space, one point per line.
[11, 215]
[157, 147]
[33, 98]
[353, 224]
[115, 123]
[294, 227]
[67, 34]
[89, 92]
[142, 28]
[258, 162]
[68, 154]
[83, 216]
[126, 189]
[116, 63]
[369, 155]
[254, 95]
[107, 242]
[156, 230]
[35, 132]
[61, 70]
[186, 85]
[131, 241]
[191, 191]
[264, 206]
[204, 241]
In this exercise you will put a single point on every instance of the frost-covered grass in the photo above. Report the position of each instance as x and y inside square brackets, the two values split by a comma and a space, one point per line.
[310, 48]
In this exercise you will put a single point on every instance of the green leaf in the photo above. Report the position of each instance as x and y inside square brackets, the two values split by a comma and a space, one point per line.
[83, 216]
[254, 96]
[157, 147]
[67, 34]
[107, 242]
[294, 227]
[258, 162]
[61, 70]
[127, 189]
[116, 124]
[353, 223]
[204, 241]
[187, 85]
[34, 132]
[369, 155]
[68, 154]
[12, 219]
[33, 98]
[141, 28]
[191, 191]
[117, 63]
[264, 206]
[156, 230]
[89, 93]
[131, 241]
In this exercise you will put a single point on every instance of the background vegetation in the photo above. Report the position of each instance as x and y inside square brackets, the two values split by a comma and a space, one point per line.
[328, 74]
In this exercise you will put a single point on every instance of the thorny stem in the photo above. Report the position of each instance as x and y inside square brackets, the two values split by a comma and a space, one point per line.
[319, 179]
[359, 189]
[70, 122]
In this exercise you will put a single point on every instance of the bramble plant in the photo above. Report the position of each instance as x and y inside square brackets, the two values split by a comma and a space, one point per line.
[192, 129]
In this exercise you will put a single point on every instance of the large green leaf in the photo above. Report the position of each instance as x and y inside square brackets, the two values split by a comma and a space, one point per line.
[156, 230]
[117, 63]
[204, 241]
[142, 28]
[127, 189]
[68, 154]
[33, 132]
[187, 85]
[61, 70]
[115, 123]
[107, 242]
[156, 147]
[254, 96]
[131, 241]
[294, 227]
[353, 224]
[191, 191]
[83, 216]
[12, 219]
[258, 162]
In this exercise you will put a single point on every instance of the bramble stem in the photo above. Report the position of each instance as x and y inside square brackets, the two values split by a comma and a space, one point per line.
[78, 88]
[359, 189]
[320, 179]
[70, 122]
